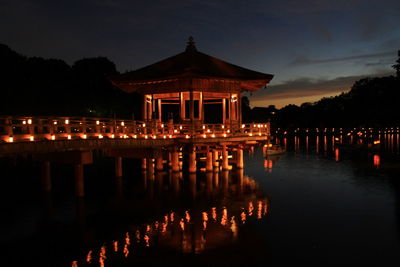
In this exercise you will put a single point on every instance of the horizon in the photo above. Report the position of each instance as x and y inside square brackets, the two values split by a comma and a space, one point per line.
[319, 48]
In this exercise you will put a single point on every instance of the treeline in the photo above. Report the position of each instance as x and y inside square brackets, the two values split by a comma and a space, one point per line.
[371, 102]
[37, 86]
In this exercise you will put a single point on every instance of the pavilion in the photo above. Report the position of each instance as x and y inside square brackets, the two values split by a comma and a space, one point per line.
[192, 88]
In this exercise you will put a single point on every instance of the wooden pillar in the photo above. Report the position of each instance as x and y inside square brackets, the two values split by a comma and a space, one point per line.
[144, 164]
[150, 166]
[191, 112]
[192, 160]
[175, 161]
[225, 165]
[201, 108]
[159, 164]
[118, 166]
[239, 109]
[159, 110]
[209, 160]
[182, 106]
[215, 160]
[223, 110]
[46, 176]
[239, 158]
[79, 180]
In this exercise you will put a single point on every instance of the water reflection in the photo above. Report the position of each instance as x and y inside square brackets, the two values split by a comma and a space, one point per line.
[187, 230]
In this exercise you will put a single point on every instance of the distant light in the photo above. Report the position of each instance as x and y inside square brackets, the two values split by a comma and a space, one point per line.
[146, 137]
[55, 123]
[165, 137]
[53, 137]
[10, 139]
[135, 136]
[69, 137]
[66, 121]
[204, 135]
[23, 122]
[144, 124]
[31, 138]
[100, 136]
[29, 121]
[97, 122]
[84, 136]
[122, 123]
[242, 125]
[187, 136]
[112, 136]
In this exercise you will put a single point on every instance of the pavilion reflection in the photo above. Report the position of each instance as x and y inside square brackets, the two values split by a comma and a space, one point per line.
[224, 202]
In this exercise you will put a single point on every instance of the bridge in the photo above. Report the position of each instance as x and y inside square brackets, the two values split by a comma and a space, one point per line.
[71, 140]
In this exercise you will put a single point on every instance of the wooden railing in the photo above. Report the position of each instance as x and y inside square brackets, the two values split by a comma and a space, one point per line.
[21, 129]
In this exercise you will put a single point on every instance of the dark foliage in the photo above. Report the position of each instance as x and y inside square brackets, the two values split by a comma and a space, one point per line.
[37, 86]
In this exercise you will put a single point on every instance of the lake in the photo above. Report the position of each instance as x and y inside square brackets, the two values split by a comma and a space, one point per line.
[315, 205]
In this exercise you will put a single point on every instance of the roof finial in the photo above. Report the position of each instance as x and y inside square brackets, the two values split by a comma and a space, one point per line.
[190, 45]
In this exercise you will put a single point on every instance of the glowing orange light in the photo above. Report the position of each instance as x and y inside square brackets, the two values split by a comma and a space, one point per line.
[53, 137]
[242, 125]
[89, 257]
[29, 121]
[100, 136]
[154, 137]
[175, 131]
[32, 138]
[250, 134]
[164, 136]
[84, 136]
[182, 224]
[204, 135]
[187, 216]
[69, 137]
[187, 136]
[122, 123]
[135, 136]
[55, 123]
[377, 161]
[115, 244]
[170, 136]
[376, 142]
[144, 124]
[224, 134]
[213, 135]
[10, 139]
[24, 122]
[146, 137]
[66, 121]
[97, 122]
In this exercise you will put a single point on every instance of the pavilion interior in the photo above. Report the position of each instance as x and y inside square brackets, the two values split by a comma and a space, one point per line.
[200, 107]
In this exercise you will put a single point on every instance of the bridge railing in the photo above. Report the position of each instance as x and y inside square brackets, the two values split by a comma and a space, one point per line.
[20, 129]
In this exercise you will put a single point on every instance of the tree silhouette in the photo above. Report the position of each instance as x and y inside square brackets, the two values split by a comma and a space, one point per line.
[397, 66]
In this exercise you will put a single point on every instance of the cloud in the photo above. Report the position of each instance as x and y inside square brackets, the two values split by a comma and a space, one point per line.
[307, 61]
[309, 87]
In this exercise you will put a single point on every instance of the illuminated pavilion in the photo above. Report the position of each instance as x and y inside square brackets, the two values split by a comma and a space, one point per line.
[192, 88]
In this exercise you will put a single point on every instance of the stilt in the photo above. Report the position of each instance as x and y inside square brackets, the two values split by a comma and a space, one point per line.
[239, 158]
[79, 181]
[225, 164]
[209, 161]
[192, 160]
[159, 164]
[118, 166]
[46, 176]
[150, 166]
[144, 164]
[175, 161]
[215, 160]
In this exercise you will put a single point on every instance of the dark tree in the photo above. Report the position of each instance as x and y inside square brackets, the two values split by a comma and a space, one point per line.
[397, 66]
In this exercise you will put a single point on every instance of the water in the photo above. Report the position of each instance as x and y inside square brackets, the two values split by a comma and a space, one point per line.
[315, 205]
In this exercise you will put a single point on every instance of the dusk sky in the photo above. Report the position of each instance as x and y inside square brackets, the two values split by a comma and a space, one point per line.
[314, 48]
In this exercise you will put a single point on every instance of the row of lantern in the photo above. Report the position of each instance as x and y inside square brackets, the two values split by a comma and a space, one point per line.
[145, 136]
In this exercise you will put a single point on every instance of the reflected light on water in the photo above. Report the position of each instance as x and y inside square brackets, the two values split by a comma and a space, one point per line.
[377, 161]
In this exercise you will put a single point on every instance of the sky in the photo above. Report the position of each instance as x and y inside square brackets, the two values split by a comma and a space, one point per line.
[314, 48]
